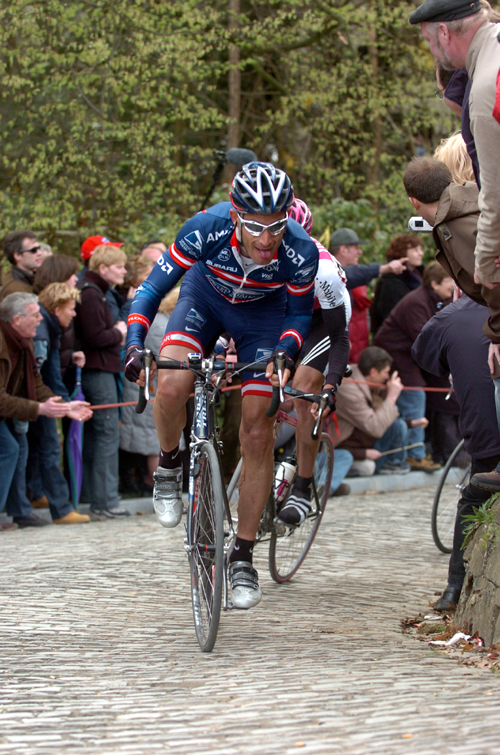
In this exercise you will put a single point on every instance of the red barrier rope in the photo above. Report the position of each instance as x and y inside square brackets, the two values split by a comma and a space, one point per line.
[238, 388]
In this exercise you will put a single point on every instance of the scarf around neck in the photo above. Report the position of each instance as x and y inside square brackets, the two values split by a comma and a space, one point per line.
[20, 348]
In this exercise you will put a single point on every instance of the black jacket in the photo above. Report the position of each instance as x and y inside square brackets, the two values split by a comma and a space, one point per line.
[453, 341]
[390, 289]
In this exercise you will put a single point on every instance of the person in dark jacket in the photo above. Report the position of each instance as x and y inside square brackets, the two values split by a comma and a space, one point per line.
[397, 336]
[57, 268]
[23, 398]
[391, 287]
[100, 340]
[345, 245]
[453, 341]
[24, 253]
[57, 307]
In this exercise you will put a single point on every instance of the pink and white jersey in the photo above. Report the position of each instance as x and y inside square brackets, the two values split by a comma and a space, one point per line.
[330, 288]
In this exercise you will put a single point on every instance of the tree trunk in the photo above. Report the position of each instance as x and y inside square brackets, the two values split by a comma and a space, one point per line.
[234, 98]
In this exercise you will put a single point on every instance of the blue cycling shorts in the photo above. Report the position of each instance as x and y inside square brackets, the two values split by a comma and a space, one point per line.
[201, 315]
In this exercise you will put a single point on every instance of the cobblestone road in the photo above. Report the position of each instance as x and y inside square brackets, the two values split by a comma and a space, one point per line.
[99, 654]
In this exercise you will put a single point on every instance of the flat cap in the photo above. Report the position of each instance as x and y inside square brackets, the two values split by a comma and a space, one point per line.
[444, 10]
[345, 237]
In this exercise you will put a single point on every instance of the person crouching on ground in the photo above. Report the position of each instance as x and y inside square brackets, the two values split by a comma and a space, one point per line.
[368, 417]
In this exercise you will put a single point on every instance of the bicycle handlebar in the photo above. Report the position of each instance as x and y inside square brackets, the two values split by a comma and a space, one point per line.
[222, 366]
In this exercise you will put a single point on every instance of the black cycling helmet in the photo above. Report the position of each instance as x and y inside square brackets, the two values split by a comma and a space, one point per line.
[261, 188]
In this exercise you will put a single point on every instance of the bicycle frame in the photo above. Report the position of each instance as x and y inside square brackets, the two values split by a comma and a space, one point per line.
[205, 427]
[269, 524]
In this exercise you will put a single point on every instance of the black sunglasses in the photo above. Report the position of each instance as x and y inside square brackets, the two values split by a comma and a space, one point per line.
[33, 250]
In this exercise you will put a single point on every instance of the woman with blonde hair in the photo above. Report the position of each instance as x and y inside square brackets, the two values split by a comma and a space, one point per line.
[453, 152]
[100, 338]
[57, 307]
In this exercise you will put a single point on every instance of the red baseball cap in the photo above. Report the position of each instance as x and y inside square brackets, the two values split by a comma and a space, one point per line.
[89, 245]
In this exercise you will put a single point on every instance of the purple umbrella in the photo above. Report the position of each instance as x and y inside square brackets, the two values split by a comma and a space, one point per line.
[74, 445]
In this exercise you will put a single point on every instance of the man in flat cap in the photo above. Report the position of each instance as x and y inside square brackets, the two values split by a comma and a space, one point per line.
[460, 35]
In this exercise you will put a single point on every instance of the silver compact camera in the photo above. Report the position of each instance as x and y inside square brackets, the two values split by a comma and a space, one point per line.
[419, 225]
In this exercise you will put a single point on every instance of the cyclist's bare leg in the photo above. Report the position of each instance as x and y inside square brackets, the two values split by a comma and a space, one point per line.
[257, 441]
[309, 380]
[169, 409]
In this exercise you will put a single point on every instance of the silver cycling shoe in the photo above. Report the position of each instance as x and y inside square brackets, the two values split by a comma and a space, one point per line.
[244, 581]
[167, 496]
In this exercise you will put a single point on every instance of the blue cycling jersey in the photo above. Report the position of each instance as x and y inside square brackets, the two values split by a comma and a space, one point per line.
[209, 241]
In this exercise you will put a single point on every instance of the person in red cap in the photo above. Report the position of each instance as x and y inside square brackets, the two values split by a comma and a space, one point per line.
[89, 246]
[113, 297]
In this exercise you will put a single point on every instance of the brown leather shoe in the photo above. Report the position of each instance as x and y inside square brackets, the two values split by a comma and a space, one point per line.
[8, 526]
[423, 465]
[487, 480]
[40, 503]
[73, 518]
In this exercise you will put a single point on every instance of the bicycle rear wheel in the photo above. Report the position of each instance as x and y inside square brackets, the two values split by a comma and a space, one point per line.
[206, 546]
[444, 508]
[288, 551]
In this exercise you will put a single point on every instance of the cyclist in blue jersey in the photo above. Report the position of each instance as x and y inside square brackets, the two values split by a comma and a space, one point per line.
[248, 270]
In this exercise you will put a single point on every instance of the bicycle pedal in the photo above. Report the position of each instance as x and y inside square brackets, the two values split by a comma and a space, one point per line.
[283, 529]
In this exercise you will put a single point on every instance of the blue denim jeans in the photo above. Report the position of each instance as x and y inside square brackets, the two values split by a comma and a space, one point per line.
[342, 460]
[411, 405]
[9, 453]
[13, 460]
[34, 473]
[396, 436]
[44, 439]
[101, 439]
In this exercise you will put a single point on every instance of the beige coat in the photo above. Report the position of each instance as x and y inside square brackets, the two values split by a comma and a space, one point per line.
[483, 63]
[355, 409]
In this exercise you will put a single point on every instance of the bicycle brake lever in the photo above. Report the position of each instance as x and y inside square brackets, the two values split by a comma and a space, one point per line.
[280, 366]
[322, 403]
[148, 359]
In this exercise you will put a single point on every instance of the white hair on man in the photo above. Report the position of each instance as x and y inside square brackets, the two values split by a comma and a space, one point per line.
[15, 305]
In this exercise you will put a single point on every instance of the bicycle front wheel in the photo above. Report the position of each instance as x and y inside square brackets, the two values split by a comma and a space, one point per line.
[288, 551]
[206, 546]
[444, 508]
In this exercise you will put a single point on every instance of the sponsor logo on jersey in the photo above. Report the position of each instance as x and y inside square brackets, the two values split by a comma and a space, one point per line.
[209, 263]
[218, 235]
[272, 267]
[192, 243]
[231, 292]
[328, 293]
[292, 255]
[262, 355]
[195, 319]
[306, 272]
[267, 276]
[225, 255]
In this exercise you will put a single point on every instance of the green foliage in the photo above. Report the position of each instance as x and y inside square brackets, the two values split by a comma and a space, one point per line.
[111, 110]
[484, 516]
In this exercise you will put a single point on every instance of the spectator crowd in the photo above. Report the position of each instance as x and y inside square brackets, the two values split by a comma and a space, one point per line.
[63, 330]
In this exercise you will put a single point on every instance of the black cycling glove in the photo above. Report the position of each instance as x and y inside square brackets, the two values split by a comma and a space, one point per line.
[133, 363]
[332, 399]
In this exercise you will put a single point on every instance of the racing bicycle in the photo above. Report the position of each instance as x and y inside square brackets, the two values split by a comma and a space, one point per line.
[444, 508]
[211, 512]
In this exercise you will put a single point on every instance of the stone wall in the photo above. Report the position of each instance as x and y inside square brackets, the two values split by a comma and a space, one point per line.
[479, 606]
